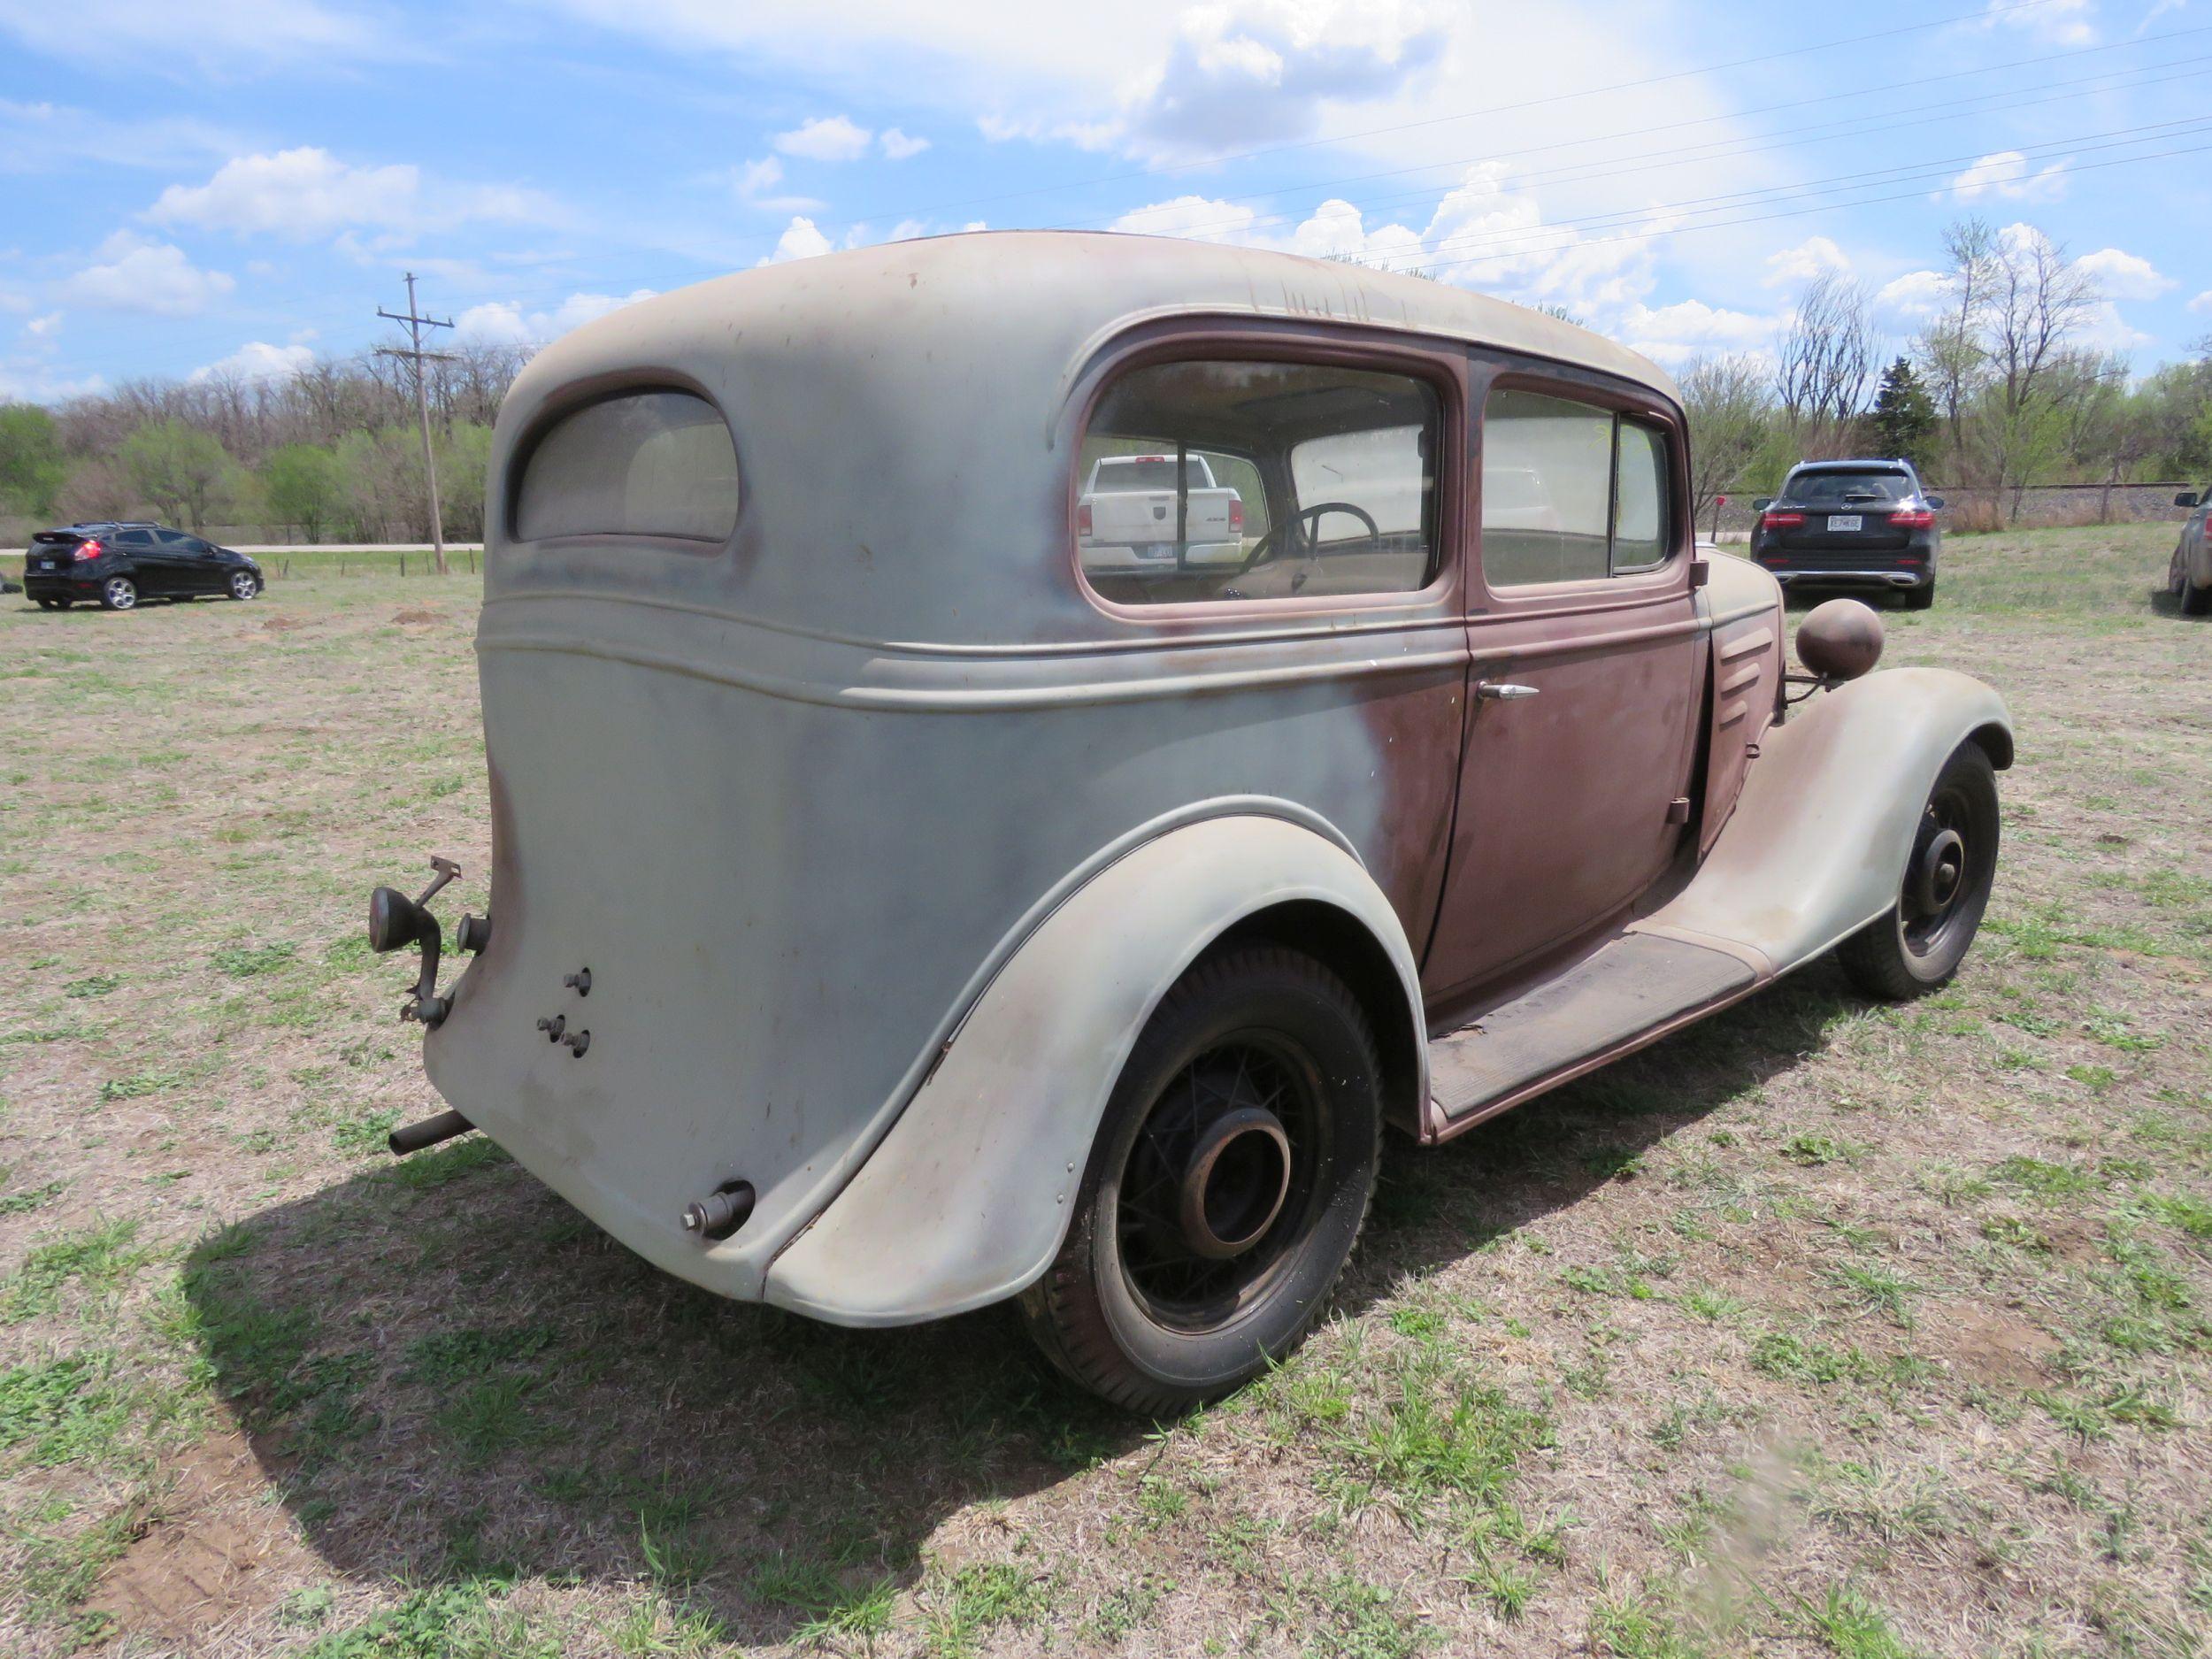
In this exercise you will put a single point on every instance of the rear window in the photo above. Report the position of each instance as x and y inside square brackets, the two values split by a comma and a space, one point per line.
[1147, 471]
[1833, 486]
[645, 464]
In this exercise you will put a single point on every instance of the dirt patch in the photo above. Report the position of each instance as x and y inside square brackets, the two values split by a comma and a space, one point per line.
[1991, 1345]
[415, 618]
[282, 625]
[208, 1556]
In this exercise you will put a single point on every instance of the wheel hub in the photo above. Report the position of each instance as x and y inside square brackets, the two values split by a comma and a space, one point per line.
[1937, 871]
[1233, 1184]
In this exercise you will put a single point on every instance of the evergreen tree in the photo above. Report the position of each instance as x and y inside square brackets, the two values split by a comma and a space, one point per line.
[1903, 421]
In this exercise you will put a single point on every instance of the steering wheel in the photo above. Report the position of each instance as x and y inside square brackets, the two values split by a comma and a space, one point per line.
[1265, 547]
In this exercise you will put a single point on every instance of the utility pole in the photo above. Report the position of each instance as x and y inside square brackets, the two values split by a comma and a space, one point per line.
[416, 323]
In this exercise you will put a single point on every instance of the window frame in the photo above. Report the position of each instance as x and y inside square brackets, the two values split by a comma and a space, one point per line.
[1439, 364]
[574, 399]
[1623, 585]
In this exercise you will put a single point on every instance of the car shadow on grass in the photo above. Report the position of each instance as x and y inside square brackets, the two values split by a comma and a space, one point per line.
[448, 1375]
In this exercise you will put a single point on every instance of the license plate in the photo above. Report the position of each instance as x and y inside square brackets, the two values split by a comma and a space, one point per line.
[46, 565]
[1843, 521]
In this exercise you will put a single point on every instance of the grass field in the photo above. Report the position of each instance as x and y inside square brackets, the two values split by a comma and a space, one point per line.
[1820, 1329]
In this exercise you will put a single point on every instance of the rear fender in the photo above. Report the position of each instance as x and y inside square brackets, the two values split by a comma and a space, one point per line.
[1821, 834]
[966, 1199]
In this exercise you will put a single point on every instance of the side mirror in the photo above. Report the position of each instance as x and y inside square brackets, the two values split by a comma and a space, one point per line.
[1935, 504]
[2187, 498]
[1760, 504]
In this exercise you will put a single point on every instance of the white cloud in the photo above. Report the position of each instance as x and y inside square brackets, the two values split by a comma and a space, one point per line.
[755, 182]
[1802, 264]
[2126, 276]
[2107, 330]
[132, 274]
[502, 322]
[1915, 296]
[1673, 333]
[1264, 71]
[2203, 302]
[257, 360]
[2006, 173]
[898, 146]
[825, 138]
[801, 239]
[219, 40]
[43, 327]
[308, 192]
[2060, 22]
[41, 137]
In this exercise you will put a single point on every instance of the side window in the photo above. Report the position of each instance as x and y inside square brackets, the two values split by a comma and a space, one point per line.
[1570, 492]
[644, 464]
[1639, 499]
[1227, 480]
[134, 538]
[177, 542]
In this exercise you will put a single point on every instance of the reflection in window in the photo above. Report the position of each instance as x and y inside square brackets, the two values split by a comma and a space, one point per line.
[1222, 481]
[1564, 498]
[649, 463]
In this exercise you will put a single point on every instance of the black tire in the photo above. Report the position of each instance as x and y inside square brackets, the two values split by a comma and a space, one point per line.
[2195, 601]
[1921, 597]
[52, 604]
[1130, 1307]
[1917, 945]
[118, 592]
[243, 585]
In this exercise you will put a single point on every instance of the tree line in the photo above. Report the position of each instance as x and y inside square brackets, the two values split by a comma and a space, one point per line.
[2000, 389]
[331, 451]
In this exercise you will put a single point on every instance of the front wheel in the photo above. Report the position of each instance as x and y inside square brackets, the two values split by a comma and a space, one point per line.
[119, 593]
[244, 584]
[1918, 944]
[1231, 1175]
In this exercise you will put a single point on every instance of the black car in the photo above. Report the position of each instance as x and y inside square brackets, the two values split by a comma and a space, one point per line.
[1851, 524]
[117, 564]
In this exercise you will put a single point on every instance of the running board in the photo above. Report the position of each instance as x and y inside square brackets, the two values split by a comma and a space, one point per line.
[1626, 993]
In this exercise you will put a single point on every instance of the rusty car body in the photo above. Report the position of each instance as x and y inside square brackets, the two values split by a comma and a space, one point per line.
[890, 918]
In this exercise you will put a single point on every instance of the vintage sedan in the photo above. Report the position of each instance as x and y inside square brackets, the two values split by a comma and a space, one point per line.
[891, 915]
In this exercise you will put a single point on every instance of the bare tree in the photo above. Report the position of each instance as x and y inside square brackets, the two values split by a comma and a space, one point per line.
[1824, 364]
[1725, 399]
[1949, 351]
[2038, 303]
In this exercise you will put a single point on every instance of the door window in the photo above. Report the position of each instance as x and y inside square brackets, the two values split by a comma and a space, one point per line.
[134, 538]
[1570, 492]
[1220, 481]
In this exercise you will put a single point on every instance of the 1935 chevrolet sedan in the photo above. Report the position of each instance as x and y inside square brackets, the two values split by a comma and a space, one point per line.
[894, 911]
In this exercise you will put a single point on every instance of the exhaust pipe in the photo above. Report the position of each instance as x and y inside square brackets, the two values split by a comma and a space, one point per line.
[414, 1137]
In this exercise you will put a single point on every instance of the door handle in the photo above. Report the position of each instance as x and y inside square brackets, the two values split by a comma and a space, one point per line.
[1502, 691]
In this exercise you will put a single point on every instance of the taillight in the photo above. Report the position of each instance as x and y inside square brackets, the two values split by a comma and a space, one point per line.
[1912, 518]
[1236, 515]
[1781, 520]
[1083, 520]
[87, 550]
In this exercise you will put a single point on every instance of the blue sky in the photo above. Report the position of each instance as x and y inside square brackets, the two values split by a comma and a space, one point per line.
[190, 187]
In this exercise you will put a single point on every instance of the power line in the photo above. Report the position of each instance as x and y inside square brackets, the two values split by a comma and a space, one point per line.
[416, 323]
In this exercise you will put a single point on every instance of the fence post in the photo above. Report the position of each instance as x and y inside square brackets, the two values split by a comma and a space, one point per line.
[402, 565]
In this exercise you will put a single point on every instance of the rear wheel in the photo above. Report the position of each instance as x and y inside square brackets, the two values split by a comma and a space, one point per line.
[1231, 1175]
[1921, 597]
[1917, 946]
[118, 592]
[53, 604]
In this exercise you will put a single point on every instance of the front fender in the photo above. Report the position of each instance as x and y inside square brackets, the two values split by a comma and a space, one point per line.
[1822, 832]
[966, 1199]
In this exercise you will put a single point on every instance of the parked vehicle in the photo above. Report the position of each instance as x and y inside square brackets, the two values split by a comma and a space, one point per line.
[2189, 577]
[117, 564]
[886, 923]
[1132, 519]
[1851, 524]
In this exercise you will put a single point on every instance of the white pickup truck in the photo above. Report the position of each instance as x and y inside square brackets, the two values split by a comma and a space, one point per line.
[1125, 520]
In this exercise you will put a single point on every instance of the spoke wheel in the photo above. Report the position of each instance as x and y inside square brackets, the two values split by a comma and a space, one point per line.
[118, 592]
[244, 585]
[1231, 1175]
[1919, 944]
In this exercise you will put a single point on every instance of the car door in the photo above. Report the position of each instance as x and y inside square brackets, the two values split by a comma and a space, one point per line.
[1583, 633]
[192, 563]
[151, 568]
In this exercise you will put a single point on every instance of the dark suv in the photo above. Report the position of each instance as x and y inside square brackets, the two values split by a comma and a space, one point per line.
[117, 564]
[1851, 523]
